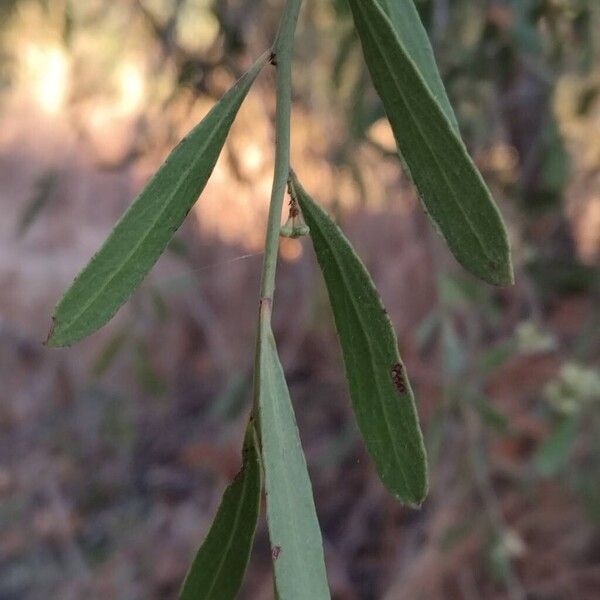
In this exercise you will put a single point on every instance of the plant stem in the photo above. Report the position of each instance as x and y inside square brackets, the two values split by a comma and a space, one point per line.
[282, 52]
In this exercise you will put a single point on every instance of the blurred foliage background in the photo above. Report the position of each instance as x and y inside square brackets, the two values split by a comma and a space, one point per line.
[114, 454]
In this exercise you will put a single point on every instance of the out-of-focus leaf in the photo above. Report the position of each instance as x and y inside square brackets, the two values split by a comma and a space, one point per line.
[496, 356]
[460, 292]
[44, 186]
[563, 276]
[148, 377]
[110, 352]
[427, 329]
[556, 167]
[448, 182]
[553, 454]
[586, 100]
[490, 415]
[218, 568]
[504, 545]
[344, 53]
[406, 21]
[230, 403]
[178, 247]
[144, 231]
[523, 29]
[381, 395]
[296, 544]
[434, 437]
[453, 348]
[159, 304]
[456, 534]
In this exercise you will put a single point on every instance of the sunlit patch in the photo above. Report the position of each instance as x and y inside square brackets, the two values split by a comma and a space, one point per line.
[583, 202]
[588, 230]
[48, 73]
[197, 27]
[290, 249]
[381, 133]
[131, 87]
[253, 157]
[501, 159]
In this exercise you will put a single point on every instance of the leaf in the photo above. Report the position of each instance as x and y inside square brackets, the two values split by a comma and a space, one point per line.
[148, 377]
[448, 182]
[553, 454]
[229, 404]
[296, 545]
[45, 186]
[408, 25]
[218, 568]
[381, 395]
[110, 352]
[144, 231]
[490, 415]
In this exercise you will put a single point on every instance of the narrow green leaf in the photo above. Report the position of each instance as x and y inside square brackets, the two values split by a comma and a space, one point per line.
[296, 545]
[553, 454]
[408, 25]
[110, 352]
[44, 188]
[218, 568]
[381, 395]
[144, 231]
[448, 182]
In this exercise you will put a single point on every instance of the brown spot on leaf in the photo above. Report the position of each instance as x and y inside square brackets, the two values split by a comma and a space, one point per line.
[275, 552]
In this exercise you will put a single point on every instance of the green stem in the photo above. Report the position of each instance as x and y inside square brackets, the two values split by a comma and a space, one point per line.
[282, 51]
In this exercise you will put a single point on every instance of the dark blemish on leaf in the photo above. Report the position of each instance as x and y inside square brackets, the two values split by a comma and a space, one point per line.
[398, 378]
[275, 552]
[273, 59]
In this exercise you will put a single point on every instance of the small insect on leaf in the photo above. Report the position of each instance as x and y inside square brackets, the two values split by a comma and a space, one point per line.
[398, 379]
[145, 230]
[381, 396]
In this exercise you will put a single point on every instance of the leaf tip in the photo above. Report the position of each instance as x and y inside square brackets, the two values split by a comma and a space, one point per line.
[57, 338]
[50, 339]
[417, 496]
[501, 273]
